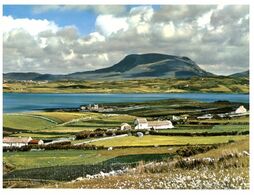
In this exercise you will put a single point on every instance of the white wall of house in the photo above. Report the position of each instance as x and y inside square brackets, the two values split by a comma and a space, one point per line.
[142, 126]
[14, 144]
[40, 142]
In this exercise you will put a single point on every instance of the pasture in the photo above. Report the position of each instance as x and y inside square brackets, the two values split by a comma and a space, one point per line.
[151, 140]
[39, 159]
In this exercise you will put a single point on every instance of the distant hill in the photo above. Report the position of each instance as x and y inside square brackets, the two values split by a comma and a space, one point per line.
[134, 66]
[241, 74]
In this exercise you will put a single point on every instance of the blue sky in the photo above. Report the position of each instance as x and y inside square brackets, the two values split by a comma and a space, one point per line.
[83, 20]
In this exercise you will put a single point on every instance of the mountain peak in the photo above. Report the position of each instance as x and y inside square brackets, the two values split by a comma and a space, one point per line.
[139, 66]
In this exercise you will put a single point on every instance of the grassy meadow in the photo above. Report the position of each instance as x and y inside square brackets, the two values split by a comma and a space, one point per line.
[57, 167]
[221, 84]
[154, 140]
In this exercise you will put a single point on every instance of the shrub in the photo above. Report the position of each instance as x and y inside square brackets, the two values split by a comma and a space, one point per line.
[14, 148]
[192, 150]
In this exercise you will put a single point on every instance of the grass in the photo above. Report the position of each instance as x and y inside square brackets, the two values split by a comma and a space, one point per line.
[235, 147]
[165, 140]
[230, 173]
[25, 122]
[169, 85]
[238, 120]
[62, 117]
[215, 128]
[227, 173]
[59, 124]
[39, 159]
[42, 135]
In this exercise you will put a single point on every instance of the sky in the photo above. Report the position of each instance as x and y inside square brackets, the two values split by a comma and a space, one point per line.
[61, 39]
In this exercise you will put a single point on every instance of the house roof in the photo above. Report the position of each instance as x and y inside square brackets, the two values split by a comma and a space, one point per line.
[141, 120]
[34, 141]
[158, 123]
[241, 109]
[16, 139]
[125, 124]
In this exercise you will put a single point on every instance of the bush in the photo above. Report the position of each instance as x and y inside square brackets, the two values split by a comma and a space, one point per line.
[14, 148]
[192, 150]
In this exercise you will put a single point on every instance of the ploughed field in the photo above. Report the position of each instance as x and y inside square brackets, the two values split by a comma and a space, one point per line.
[52, 167]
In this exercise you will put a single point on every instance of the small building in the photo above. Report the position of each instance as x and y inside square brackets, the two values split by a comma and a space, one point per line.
[142, 123]
[35, 142]
[16, 141]
[179, 118]
[240, 110]
[93, 107]
[206, 116]
[125, 126]
[160, 124]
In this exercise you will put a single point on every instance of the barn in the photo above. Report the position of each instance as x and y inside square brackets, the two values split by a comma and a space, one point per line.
[142, 123]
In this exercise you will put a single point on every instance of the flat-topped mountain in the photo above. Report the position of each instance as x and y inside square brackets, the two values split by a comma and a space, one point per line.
[134, 66]
[147, 66]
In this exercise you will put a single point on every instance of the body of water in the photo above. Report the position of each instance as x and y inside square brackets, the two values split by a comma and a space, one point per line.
[25, 102]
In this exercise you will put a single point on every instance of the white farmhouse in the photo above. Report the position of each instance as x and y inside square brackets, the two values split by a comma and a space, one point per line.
[16, 141]
[160, 124]
[142, 123]
[241, 110]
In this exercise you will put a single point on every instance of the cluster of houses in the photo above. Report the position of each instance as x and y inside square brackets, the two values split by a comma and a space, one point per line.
[20, 141]
[143, 123]
[25, 141]
[139, 124]
[240, 111]
[95, 108]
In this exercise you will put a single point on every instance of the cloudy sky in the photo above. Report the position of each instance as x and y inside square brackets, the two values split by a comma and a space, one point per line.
[62, 39]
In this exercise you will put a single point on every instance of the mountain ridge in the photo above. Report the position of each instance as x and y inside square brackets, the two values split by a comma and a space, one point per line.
[133, 66]
[241, 74]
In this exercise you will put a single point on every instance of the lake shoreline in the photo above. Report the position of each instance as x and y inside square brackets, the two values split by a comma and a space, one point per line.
[4, 92]
[20, 102]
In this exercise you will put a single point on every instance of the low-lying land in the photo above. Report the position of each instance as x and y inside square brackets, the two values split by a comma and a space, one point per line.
[224, 167]
[196, 153]
[221, 84]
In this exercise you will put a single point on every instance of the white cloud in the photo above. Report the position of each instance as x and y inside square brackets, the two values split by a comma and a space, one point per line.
[216, 37]
[30, 25]
[168, 30]
[141, 14]
[108, 24]
[204, 20]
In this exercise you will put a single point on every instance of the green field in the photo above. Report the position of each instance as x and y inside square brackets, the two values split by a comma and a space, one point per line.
[209, 129]
[65, 165]
[221, 84]
[26, 122]
[237, 120]
[39, 159]
[60, 124]
[165, 140]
